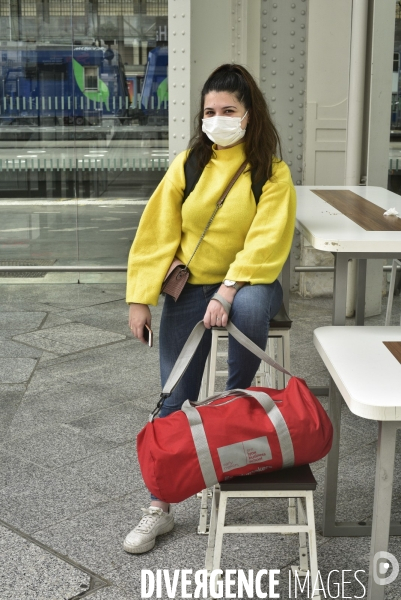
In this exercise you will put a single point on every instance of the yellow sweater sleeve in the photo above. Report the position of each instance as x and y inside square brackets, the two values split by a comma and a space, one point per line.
[157, 238]
[269, 238]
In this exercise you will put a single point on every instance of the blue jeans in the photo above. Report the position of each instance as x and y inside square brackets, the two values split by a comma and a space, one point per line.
[252, 309]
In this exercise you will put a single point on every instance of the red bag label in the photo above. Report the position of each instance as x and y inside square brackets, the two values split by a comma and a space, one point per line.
[235, 456]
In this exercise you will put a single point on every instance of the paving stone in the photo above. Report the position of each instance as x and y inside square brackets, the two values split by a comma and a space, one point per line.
[28, 572]
[10, 307]
[16, 370]
[118, 369]
[46, 356]
[13, 469]
[10, 399]
[111, 474]
[60, 401]
[320, 378]
[171, 552]
[61, 295]
[112, 593]
[10, 348]
[112, 316]
[54, 319]
[23, 321]
[95, 537]
[70, 337]
[119, 424]
[58, 446]
[40, 500]
[301, 365]
[38, 340]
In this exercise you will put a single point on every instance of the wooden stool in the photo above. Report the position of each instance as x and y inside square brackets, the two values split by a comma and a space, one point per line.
[294, 483]
[279, 329]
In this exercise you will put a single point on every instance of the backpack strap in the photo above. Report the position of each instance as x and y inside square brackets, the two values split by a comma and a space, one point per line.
[257, 187]
[193, 173]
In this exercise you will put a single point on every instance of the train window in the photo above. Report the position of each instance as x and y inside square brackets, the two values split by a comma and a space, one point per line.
[156, 7]
[61, 8]
[116, 7]
[91, 78]
[4, 8]
[28, 8]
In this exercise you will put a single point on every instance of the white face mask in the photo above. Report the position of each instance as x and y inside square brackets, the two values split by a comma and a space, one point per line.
[224, 131]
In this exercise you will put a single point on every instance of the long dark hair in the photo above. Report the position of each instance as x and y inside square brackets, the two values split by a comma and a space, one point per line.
[262, 141]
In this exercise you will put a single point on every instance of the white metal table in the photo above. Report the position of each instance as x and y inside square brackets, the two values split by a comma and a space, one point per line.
[367, 374]
[327, 229]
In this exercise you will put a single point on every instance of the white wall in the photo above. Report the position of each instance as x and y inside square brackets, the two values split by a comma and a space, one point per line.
[329, 34]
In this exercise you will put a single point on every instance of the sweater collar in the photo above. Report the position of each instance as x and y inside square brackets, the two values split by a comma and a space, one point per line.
[237, 152]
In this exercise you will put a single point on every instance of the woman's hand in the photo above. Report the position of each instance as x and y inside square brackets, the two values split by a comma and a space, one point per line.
[139, 315]
[215, 314]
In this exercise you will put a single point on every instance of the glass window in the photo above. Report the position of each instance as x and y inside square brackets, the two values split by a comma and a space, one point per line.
[156, 7]
[4, 8]
[91, 78]
[116, 7]
[28, 8]
[83, 129]
[63, 8]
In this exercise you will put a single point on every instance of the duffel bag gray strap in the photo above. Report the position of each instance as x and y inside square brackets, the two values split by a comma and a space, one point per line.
[224, 303]
[192, 343]
[184, 358]
[201, 444]
[270, 408]
[252, 347]
[278, 421]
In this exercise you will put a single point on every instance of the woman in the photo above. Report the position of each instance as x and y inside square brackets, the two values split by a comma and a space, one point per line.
[240, 257]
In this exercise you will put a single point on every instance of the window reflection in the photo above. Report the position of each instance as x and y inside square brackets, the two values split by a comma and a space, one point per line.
[83, 115]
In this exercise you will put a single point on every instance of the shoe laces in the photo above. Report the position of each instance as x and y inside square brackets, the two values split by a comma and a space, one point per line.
[151, 515]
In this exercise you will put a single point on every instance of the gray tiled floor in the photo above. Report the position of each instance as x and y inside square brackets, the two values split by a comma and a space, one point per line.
[36, 573]
[75, 389]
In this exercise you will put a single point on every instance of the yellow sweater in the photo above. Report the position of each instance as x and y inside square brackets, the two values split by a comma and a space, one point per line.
[244, 243]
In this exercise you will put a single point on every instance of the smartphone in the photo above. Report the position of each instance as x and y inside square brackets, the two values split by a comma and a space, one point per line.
[148, 335]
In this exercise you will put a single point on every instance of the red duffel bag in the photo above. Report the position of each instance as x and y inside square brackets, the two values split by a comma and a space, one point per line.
[235, 433]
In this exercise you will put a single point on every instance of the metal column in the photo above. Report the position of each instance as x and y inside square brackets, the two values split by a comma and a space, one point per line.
[179, 120]
[283, 74]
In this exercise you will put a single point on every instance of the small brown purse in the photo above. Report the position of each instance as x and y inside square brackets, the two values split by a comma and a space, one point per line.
[178, 273]
[175, 280]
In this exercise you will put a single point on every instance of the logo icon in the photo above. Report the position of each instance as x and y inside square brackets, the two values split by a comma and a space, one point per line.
[385, 568]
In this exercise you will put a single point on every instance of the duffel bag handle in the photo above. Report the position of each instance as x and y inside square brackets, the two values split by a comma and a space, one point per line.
[191, 345]
[200, 439]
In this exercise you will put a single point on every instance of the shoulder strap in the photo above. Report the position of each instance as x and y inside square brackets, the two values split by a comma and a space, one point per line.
[193, 173]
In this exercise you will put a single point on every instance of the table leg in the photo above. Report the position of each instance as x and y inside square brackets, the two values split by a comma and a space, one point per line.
[331, 527]
[340, 288]
[331, 477]
[382, 504]
[361, 265]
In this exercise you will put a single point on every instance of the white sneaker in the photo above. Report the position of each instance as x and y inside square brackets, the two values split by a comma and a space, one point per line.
[154, 522]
